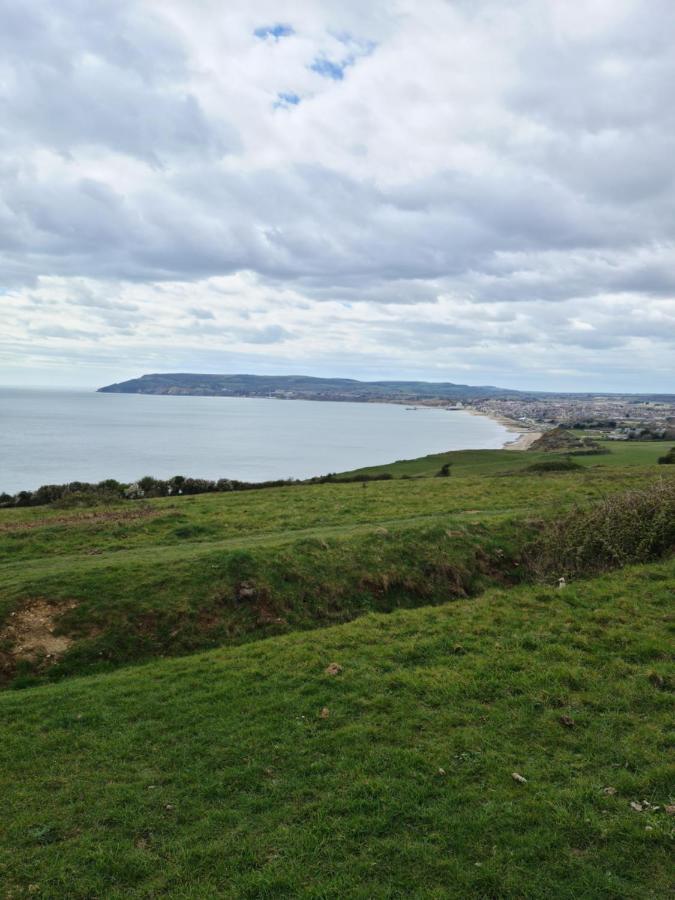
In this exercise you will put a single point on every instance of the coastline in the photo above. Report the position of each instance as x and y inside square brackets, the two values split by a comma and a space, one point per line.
[524, 441]
[526, 436]
[233, 440]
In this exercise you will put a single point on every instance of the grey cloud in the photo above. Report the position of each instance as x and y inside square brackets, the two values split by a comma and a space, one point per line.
[270, 334]
[566, 192]
[61, 331]
[615, 78]
[110, 108]
[328, 232]
[105, 304]
[265, 334]
[372, 252]
[120, 32]
[110, 77]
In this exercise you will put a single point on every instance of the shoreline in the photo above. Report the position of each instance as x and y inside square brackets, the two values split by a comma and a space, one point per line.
[225, 444]
[526, 436]
[524, 441]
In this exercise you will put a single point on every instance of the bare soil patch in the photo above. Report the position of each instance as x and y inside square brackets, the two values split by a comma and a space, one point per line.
[30, 633]
[88, 518]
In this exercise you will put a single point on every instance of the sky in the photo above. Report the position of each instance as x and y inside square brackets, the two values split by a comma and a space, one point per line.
[477, 191]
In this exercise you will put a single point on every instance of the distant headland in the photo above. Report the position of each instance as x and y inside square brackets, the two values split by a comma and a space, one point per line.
[305, 387]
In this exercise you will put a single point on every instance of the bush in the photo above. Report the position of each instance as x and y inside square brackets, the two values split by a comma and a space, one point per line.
[631, 527]
[591, 451]
[332, 478]
[554, 465]
[668, 459]
[444, 471]
[75, 499]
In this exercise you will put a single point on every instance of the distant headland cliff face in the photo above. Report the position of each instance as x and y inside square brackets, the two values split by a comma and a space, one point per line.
[304, 387]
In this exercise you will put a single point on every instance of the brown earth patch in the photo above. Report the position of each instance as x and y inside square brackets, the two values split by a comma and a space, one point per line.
[89, 518]
[267, 615]
[30, 634]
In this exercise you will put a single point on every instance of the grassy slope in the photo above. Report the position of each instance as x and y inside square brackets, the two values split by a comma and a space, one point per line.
[161, 577]
[215, 775]
[484, 462]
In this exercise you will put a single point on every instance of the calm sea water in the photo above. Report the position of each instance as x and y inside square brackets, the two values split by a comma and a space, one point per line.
[51, 437]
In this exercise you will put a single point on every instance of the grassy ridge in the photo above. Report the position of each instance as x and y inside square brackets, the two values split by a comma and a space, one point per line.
[141, 579]
[487, 462]
[219, 775]
[130, 610]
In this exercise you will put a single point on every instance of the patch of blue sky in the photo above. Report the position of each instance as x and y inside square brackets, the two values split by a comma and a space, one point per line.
[358, 46]
[278, 31]
[286, 99]
[329, 69]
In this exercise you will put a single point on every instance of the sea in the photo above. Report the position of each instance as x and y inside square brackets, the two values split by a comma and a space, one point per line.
[58, 436]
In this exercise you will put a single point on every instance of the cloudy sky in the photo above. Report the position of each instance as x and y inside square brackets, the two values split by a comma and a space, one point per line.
[478, 191]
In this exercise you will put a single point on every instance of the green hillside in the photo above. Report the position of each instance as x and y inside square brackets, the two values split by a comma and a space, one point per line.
[106, 585]
[493, 462]
[254, 770]
[251, 772]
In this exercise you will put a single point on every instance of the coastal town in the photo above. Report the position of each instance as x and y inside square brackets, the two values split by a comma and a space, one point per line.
[613, 417]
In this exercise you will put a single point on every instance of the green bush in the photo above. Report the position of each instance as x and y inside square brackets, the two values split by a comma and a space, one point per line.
[591, 451]
[554, 465]
[631, 527]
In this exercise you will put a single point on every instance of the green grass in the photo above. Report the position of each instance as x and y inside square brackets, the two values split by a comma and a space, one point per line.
[216, 776]
[134, 609]
[162, 577]
[490, 462]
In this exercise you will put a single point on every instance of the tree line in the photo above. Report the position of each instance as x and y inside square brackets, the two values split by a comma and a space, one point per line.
[82, 492]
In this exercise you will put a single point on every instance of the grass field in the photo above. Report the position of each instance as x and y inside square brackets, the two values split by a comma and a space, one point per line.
[127, 582]
[250, 772]
[487, 462]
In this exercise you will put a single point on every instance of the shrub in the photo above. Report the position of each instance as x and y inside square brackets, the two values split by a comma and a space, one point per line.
[75, 499]
[591, 451]
[332, 478]
[668, 459]
[631, 527]
[554, 465]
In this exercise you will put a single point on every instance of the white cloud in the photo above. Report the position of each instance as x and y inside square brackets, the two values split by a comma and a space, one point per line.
[487, 192]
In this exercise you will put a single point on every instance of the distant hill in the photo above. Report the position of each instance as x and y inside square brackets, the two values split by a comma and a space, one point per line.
[305, 387]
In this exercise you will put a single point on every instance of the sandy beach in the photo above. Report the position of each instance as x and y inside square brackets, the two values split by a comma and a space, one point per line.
[524, 441]
[525, 437]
